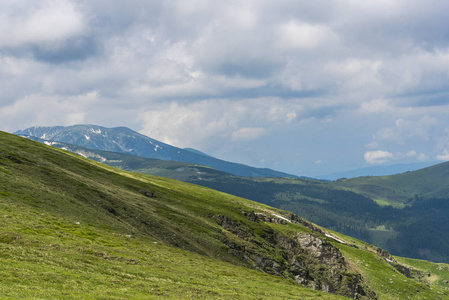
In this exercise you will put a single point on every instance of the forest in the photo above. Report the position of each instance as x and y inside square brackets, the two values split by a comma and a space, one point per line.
[417, 231]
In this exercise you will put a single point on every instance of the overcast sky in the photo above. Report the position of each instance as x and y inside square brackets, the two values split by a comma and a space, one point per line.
[305, 87]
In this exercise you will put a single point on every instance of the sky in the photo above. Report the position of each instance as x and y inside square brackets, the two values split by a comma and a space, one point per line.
[304, 87]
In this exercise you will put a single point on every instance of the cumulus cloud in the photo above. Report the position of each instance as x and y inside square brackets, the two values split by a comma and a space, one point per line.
[212, 74]
[444, 156]
[381, 156]
[212, 121]
[296, 36]
[26, 23]
[413, 153]
[47, 111]
[405, 130]
[377, 157]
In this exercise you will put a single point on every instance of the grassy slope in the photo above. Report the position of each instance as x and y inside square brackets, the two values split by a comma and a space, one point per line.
[329, 203]
[76, 229]
[387, 281]
[396, 190]
[67, 227]
[166, 168]
[47, 256]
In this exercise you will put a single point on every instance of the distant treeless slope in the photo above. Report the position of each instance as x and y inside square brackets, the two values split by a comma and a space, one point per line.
[403, 189]
[378, 171]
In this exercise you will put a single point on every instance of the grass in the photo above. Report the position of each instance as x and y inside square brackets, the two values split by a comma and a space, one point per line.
[44, 257]
[402, 189]
[385, 280]
[75, 229]
[438, 273]
[385, 202]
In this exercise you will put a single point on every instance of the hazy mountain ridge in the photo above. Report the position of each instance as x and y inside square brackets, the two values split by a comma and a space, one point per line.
[124, 140]
[70, 220]
[378, 171]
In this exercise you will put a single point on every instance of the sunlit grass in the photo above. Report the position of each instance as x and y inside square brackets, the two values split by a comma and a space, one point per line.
[43, 256]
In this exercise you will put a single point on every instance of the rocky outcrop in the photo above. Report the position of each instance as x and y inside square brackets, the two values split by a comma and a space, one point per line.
[300, 221]
[307, 258]
[406, 271]
[384, 254]
[257, 217]
[328, 269]
[410, 272]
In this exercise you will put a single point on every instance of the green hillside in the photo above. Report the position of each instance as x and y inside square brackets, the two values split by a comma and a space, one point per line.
[403, 189]
[75, 229]
[421, 230]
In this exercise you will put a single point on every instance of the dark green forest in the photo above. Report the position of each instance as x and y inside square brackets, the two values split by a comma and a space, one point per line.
[418, 231]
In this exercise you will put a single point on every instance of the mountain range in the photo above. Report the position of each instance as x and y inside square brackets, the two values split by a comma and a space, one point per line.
[125, 140]
[74, 228]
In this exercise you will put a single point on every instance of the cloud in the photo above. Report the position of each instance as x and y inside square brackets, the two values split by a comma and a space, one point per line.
[405, 130]
[214, 121]
[72, 49]
[414, 154]
[222, 75]
[377, 157]
[444, 156]
[247, 134]
[40, 22]
[374, 106]
[188, 125]
[47, 111]
[381, 156]
[306, 36]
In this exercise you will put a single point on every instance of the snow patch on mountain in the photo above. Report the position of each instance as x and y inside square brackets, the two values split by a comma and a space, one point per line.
[98, 131]
[334, 238]
[48, 143]
[79, 153]
[281, 217]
